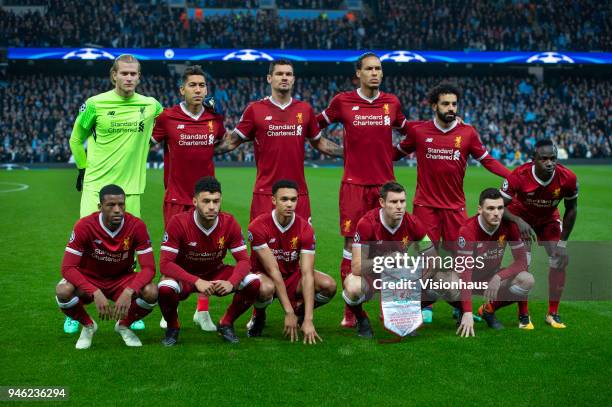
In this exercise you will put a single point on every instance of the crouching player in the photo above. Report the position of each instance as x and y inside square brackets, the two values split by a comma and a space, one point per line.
[98, 265]
[389, 223]
[482, 242]
[192, 253]
[282, 253]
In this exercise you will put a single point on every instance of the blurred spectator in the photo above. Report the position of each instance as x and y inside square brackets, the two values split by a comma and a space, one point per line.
[496, 25]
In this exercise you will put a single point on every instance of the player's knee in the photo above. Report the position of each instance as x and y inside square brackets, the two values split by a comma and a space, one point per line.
[149, 293]
[266, 290]
[65, 291]
[525, 280]
[326, 285]
[352, 287]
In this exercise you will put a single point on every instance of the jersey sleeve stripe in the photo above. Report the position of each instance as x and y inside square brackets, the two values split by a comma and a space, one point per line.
[318, 136]
[307, 251]
[261, 246]
[401, 125]
[401, 149]
[169, 249]
[482, 156]
[143, 251]
[572, 197]
[71, 250]
[466, 252]
[325, 117]
[516, 246]
[357, 245]
[238, 249]
[153, 140]
[238, 132]
[505, 195]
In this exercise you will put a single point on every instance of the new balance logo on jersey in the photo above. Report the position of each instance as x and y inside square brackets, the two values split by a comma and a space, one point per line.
[98, 241]
[355, 107]
[193, 244]
[111, 113]
[180, 126]
[272, 240]
[429, 140]
[268, 118]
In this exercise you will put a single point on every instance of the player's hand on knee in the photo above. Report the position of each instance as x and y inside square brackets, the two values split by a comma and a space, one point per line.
[122, 305]
[527, 232]
[291, 328]
[222, 287]
[492, 288]
[466, 327]
[205, 287]
[310, 333]
[560, 257]
[102, 305]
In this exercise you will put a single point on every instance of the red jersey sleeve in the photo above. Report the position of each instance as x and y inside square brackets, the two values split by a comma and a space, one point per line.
[159, 130]
[510, 186]
[220, 119]
[142, 245]
[72, 259]
[308, 240]
[519, 253]
[465, 249]
[246, 126]
[570, 187]
[314, 131]
[400, 122]
[363, 233]
[169, 251]
[408, 144]
[239, 251]
[332, 114]
[480, 153]
[257, 236]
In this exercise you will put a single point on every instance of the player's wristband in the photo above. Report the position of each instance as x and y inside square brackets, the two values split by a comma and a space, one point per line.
[562, 243]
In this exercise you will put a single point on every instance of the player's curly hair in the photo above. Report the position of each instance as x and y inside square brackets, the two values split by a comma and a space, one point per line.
[207, 184]
[489, 193]
[110, 189]
[444, 88]
[284, 183]
[192, 70]
[391, 187]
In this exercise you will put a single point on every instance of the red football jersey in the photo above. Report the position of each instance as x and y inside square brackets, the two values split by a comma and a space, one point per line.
[368, 134]
[286, 242]
[199, 251]
[442, 159]
[534, 200]
[372, 228]
[105, 255]
[189, 149]
[486, 251]
[279, 133]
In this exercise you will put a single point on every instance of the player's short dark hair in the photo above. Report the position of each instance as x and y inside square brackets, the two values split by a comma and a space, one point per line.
[391, 187]
[278, 62]
[443, 88]
[207, 184]
[545, 142]
[359, 62]
[489, 193]
[192, 70]
[110, 189]
[284, 183]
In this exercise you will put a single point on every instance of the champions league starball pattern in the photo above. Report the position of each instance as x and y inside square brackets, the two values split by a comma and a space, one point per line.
[403, 56]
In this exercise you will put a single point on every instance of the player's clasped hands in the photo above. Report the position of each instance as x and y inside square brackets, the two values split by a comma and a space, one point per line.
[205, 287]
[222, 287]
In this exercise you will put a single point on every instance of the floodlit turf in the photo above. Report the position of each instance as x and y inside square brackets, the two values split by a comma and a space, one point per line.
[540, 367]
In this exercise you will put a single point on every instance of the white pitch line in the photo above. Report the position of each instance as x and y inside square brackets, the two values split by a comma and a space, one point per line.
[20, 187]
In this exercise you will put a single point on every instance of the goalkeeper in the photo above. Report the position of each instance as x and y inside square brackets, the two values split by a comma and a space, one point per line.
[117, 126]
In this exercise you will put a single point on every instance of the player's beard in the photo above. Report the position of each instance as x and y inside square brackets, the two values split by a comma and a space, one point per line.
[446, 118]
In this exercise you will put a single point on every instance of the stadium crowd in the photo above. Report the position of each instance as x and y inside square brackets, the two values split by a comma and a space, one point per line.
[511, 113]
[583, 25]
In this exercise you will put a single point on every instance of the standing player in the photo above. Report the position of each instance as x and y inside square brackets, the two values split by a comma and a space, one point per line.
[442, 147]
[192, 253]
[388, 223]
[533, 192]
[117, 126]
[279, 125]
[369, 117]
[282, 253]
[98, 265]
[190, 130]
[483, 239]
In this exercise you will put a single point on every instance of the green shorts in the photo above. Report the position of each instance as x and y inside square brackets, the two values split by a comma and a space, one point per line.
[91, 199]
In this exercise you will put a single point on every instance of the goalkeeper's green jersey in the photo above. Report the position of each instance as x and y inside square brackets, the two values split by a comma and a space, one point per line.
[118, 131]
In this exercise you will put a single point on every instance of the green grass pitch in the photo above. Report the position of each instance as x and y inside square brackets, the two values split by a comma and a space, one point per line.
[543, 367]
